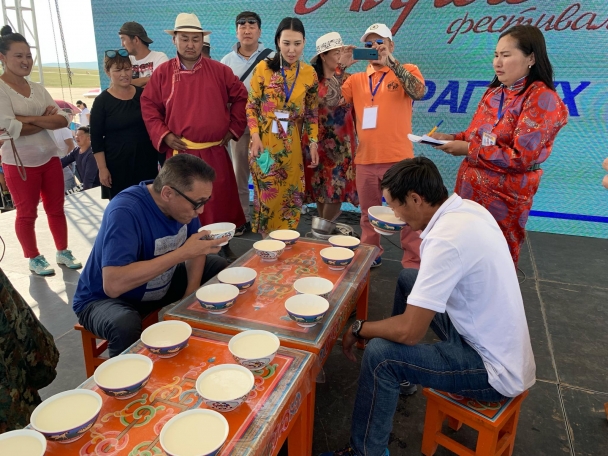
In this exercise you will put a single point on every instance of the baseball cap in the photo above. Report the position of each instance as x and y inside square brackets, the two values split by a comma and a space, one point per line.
[135, 29]
[379, 29]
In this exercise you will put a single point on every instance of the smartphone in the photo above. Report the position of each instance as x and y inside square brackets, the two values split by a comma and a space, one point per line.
[365, 54]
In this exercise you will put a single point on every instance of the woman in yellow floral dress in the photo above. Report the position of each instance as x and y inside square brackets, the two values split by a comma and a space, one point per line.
[282, 108]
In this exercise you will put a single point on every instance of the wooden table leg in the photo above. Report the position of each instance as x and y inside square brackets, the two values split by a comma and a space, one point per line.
[362, 308]
[299, 442]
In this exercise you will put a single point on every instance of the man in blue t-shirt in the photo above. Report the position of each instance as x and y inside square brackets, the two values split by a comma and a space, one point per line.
[148, 252]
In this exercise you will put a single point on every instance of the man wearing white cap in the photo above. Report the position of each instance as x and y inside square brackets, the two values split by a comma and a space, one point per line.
[382, 96]
[196, 105]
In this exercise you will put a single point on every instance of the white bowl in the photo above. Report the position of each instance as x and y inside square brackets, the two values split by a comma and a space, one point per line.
[337, 258]
[124, 375]
[289, 237]
[349, 242]
[199, 432]
[384, 220]
[225, 387]
[306, 309]
[242, 278]
[166, 338]
[218, 297]
[314, 285]
[67, 416]
[254, 349]
[269, 249]
[23, 442]
[219, 230]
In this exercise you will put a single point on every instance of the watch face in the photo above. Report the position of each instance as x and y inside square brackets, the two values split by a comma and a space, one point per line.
[356, 327]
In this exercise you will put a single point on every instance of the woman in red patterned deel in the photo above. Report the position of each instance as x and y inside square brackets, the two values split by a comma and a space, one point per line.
[511, 134]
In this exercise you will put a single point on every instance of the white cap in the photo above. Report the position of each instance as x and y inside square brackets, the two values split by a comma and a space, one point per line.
[378, 29]
[327, 42]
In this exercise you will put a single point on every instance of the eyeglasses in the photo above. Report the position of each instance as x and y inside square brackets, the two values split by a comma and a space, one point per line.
[249, 21]
[121, 52]
[195, 204]
[369, 44]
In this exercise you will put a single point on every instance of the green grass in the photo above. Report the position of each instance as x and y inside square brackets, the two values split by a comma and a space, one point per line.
[87, 79]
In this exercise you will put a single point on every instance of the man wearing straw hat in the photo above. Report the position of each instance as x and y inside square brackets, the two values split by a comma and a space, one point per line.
[382, 96]
[196, 105]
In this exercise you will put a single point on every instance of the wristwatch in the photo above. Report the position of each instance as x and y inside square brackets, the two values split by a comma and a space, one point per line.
[356, 328]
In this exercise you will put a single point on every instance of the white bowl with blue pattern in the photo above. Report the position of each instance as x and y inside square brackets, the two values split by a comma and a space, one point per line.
[314, 285]
[219, 230]
[217, 298]
[166, 338]
[384, 220]
[225, 387]
[241, 277]
[348, 242]
[306, 309]
[123, 376]
[269, 249]
[337, 258]
[289, 237]
[254, 349]
[197, 431]
[22, 442]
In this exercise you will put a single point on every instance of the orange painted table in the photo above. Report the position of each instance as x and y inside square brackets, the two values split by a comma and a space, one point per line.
[278, 407]
[263, 305]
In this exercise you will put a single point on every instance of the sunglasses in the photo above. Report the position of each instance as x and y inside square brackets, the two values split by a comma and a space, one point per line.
[246, 21]
[121, 52]
[369, 44]
[195, 204]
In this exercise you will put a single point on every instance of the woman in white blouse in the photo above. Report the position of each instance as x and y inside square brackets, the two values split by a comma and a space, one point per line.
[27, 113]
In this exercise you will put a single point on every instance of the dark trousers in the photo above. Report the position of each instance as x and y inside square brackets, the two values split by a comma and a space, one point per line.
[119, 321]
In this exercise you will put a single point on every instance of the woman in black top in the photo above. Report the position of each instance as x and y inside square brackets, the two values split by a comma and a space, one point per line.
[121, 145]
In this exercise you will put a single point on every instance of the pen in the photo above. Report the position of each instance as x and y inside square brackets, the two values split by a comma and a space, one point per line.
[435, 128]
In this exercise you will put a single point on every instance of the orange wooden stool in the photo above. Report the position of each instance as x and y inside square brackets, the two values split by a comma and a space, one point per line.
[93, 350]
[496, 423]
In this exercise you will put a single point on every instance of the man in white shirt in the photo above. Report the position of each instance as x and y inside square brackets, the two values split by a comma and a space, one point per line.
[135, 40]
[243, 58]
[466, 290]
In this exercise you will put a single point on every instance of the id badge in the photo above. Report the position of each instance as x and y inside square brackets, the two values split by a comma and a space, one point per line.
[488, 139]
[370, 117]
[280, 115]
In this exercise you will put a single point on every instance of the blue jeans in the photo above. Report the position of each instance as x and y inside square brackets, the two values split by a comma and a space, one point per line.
[450, 365]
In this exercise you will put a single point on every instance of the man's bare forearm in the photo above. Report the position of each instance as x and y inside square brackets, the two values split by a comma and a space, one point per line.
[334, 88]
[413, 86]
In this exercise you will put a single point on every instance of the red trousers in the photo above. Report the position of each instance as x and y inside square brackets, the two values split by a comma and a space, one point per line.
[370, 194]
[44, 181]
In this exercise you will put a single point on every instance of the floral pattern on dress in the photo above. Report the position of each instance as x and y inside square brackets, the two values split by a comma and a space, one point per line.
[279, 194]
[333, 181]
[499, 177]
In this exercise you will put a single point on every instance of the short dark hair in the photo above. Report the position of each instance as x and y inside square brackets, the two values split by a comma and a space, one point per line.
[85, 129]
[79, 102]
[289, 23]
[7, 37]
[181, 171]
[419, 175]
[246, 14]
[118, 60]
[530, 40]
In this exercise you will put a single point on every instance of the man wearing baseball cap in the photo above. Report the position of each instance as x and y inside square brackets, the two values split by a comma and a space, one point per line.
[136, 41]
[382, 96]
[195, 105]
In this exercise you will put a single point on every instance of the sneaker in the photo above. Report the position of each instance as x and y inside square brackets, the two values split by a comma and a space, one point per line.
[407, 389]
[377, 262]
[243, 229]
[66, 258]
[40, 266]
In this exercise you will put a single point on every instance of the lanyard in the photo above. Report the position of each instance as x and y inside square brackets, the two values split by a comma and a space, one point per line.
[287, 90]
[501, 112]
[375, 90]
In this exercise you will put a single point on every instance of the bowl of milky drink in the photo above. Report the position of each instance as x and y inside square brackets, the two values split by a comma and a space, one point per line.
[219, 230]
[314, 285]
[67, 416]
[23, 442]
[242, 278]
[269, 249]
[289, 237]
[225, 387]
[217, 298]
[197, 432]
[124, 375]
[306, 309]
[166, 338]
[348, 242]
[337, 258]
[254, 349]
[384, 220]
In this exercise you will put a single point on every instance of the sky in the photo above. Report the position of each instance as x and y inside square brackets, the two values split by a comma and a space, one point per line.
[77, 21]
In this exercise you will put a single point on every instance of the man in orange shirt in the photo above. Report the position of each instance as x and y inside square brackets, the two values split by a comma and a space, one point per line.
[382, 96]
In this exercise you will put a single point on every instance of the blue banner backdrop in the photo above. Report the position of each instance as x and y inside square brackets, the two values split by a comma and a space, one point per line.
[452, 41]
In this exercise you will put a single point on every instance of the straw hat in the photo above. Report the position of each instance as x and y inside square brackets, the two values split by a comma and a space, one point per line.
[327, 42]
[187, 22]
